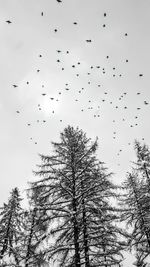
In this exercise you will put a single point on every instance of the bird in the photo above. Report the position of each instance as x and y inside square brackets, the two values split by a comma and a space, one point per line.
[75, 23]
[14, 85]
[8, 21]
[59, 1]
[43, 94]
[104, 14]
[18, 111]
[88, 40]
[42, 13]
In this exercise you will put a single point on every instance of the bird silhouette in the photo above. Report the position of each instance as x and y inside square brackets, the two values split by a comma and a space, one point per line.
[8, 21]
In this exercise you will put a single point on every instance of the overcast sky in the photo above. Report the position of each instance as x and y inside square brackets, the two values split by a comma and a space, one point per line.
[108, 80]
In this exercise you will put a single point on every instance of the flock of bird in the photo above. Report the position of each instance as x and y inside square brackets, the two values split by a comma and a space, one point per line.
[92, 108]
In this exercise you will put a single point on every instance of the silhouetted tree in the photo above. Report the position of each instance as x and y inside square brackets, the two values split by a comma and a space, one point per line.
[74, 192]
[10, 227]
[135, 215]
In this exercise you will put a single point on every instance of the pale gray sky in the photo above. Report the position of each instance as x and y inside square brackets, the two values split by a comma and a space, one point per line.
[29, 35]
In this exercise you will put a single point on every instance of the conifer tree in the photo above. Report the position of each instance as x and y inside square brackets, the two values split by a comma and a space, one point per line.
[135, 215]
[10, 227]
[74, 191]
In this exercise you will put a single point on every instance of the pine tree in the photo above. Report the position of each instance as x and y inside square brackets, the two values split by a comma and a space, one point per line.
[10, 227]
[74, 191]
[135, 215]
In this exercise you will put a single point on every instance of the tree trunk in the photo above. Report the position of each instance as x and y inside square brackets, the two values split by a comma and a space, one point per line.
[85, 235]
[75, 223]
[76, 236]
[30, 239]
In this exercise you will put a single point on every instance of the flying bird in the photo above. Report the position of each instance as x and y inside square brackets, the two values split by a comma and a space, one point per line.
[8, 21]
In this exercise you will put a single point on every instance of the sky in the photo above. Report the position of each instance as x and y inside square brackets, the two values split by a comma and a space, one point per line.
[81, 63]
